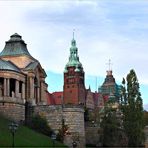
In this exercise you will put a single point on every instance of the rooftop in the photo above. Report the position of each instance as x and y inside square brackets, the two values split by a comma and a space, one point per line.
[7, 65]
[15, 46]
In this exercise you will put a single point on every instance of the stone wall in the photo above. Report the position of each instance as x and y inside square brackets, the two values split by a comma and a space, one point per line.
[73, 117]
[52, 113]
[13, 111]
[146, 136]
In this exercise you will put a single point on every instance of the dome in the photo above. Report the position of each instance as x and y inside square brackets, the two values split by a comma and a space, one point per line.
[15, 46]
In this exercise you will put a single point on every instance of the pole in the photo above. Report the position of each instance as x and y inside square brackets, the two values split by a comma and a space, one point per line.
[53, 144]
[13, 139]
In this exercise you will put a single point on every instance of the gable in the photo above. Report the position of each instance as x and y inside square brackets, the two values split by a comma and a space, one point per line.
[35, 67]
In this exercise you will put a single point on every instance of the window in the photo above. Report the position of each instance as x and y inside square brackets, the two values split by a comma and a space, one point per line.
[20, 87]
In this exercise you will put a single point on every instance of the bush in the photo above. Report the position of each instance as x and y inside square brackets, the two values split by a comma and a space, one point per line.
[62, 131]
[39, 124]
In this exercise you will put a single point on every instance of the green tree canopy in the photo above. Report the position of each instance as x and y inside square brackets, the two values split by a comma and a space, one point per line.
[132, 108]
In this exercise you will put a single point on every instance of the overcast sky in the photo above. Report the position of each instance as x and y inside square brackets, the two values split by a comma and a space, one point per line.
[113, 29]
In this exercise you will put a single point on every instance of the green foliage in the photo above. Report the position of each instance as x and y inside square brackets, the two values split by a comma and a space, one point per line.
[39, 124]
[112, 133]
[145, 118]
[24, 137]
[132, 108]
[62, 131]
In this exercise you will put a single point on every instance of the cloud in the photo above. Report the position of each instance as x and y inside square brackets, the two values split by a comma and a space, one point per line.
[115, 30]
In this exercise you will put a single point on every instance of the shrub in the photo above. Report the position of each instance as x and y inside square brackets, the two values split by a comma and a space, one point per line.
[62, 132]
[39, 124]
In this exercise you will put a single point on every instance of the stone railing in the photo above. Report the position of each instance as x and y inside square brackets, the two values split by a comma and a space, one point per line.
[12, 100]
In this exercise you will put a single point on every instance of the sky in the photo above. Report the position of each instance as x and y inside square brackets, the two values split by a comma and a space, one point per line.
[104, 29]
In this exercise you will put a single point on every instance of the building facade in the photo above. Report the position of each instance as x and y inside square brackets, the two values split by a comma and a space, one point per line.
[22, 78]
[74, 78]
[109, 89]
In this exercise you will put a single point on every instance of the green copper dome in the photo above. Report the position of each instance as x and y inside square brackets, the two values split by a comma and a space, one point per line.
[15, 46]
[74, 58]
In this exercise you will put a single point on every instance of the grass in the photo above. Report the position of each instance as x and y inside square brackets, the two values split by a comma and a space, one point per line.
[24, 137]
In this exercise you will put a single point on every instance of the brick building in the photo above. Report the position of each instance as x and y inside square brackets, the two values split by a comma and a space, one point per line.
[74, 78]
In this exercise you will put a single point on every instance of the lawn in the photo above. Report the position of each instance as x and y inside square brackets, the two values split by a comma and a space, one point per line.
[24, 137]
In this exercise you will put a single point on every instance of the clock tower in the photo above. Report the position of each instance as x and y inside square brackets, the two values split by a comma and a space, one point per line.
[74, 83]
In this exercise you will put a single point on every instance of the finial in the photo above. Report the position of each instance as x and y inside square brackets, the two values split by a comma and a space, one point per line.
[73, 42]
[109, 64]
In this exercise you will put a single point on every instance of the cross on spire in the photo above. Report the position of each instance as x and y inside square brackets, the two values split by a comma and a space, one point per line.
[109, 64]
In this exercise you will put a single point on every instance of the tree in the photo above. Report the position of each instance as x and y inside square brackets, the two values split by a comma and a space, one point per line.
[145, 118]
[132, 109]
[112, 132]
[40, 124]
[62, 131]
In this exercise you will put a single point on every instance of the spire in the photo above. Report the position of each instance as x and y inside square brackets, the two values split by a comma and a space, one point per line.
[89, 88]
[109, 65]
[74, 58]
[73, 42]
[109, 71]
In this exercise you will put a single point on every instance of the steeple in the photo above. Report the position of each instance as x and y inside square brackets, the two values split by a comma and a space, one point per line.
[109, 87]
[109, 65]
[74, 78]
[109, 71]
[74, 58]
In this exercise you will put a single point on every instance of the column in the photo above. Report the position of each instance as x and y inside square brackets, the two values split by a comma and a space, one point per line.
[23, 90]
[42, 90]
[38, 94]
[32, 87]
[5, 88]
[16, 88]
[8, 87]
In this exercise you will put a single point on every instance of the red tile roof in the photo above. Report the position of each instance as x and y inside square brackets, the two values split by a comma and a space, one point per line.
[54, 98]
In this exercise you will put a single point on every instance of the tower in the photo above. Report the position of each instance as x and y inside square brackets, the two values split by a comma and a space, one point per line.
[109, 88]
[74, 83]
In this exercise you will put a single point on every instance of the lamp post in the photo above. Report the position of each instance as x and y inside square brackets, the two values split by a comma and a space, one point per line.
[74, 144]
[13, 127]
[53, 137]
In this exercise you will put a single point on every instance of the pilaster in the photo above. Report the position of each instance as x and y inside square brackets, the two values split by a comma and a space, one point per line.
[42, 89]
[16, 88]
[23, 90]
[38, 94]
[5, 87]
[8, 86]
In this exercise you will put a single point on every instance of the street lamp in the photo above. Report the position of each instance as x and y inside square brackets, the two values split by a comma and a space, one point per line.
[53, 137]
[74, 144]
[13, 127]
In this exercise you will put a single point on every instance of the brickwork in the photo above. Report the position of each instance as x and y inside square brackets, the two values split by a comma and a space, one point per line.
[13, 111]
[146, 136]
[73, 117]
[52, 113]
